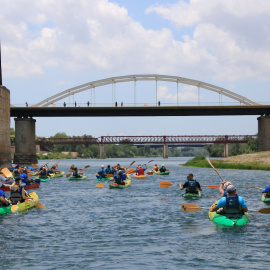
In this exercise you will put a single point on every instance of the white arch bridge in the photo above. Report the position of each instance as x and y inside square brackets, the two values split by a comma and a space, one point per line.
[150, 77]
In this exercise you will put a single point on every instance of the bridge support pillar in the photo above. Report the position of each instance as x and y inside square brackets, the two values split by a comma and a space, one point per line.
[5, 148]
[227, 150]
[101, 151]
[264, 133]
[165, 151]
[25, 143]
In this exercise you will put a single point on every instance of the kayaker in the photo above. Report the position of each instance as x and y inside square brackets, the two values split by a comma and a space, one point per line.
[16, 172]
[191, 185]
[3, 179]
[72, 167]
[232, 204]
[118, 178]
[17, 192]
[101, 173]
[24, 177]
[162, 168]
[3, 200]
[113, 170]
[108, 169]
[43, 173]
[223, 188]
[140, 170]
[75, 174]
[266, 192]
[156, 167]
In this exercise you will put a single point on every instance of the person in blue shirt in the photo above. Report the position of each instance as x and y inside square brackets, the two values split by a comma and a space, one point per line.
[162, 168]
[101, 173]
[3, 200]
[108, 169]
[191, 185]
[118, 178]
[266, 192]
[232, 204]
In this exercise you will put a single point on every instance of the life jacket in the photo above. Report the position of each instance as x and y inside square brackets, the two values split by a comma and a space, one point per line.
[16, 172]
[16, 195]
[162, 169]
[141, 171]
[232, 205]
[118, 179]
[75, 174]
[43, 174]
[192, 187]
[156, 168]
[107, 170]
[101, 173]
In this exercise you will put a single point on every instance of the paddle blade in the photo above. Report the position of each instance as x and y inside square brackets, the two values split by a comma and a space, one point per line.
[165, 184]
[213, 186]
[35, 165]
[101, 185]
[68, 175]
[130, 171]
[14, 208]
[252, 187]
[149, 173]
[40, 205]
[190, 207]
[264, 210]
[149, 161]
[6, 172]
[87, 166]
[131, 163]
[167, 170]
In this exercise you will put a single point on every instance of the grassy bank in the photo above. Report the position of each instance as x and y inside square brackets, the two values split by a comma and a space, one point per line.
[243, 162]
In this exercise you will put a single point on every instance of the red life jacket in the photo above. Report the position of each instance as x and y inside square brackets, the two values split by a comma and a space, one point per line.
[140, 171]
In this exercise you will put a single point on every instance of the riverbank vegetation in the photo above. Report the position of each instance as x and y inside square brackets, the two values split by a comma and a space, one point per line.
[253, 161]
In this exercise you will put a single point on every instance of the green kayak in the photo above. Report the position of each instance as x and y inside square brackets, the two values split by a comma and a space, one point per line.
[44, 179]
[104, 179]
[77, 179]
[226, 221]
[162, 173]
[192, 195]
[114, 185]
[60, 174]
[22, 206]
[265, 199]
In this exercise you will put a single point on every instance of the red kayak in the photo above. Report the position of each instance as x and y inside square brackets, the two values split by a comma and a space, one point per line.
[35, 185]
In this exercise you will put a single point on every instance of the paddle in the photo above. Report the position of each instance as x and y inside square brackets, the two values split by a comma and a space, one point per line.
[101, 185]
[150, 173]
[214, 168]
[254, 187]
[130, 171]
[35, 165]
[68, 175]
[168, 184]
[14, 208]
[87, 166]
[6, 172]
[192, 207]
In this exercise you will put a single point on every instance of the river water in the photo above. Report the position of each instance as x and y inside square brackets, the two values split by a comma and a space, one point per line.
[140, 227]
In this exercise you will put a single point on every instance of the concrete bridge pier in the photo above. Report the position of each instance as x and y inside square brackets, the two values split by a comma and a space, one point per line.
[227, 150]
[264, 133]
[101, 151]
[165, 151]
[5, 148]
[25, 143]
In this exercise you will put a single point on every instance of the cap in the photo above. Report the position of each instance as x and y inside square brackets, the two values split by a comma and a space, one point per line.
[227, 184]
[102, 166]
[163, 165]
[231, 189]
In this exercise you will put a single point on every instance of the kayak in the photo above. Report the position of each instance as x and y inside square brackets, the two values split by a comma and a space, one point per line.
[32, 186]
[104, 179]
[192, 195]
[77, 179]
[54, 175]
[162, 173]
[22, 206]
[114, 185]
[226, 221]
[143, 176]
[265, 199]
[44, 179]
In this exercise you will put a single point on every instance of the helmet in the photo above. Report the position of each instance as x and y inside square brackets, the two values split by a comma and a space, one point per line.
[162, 165]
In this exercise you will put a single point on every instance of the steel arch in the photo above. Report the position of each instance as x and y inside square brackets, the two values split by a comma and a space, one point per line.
[140, 77]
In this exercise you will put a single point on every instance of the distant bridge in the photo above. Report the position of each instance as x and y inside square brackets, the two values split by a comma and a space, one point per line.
[151, 140]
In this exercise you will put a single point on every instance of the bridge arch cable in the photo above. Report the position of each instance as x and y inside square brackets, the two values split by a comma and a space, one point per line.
[147, 77]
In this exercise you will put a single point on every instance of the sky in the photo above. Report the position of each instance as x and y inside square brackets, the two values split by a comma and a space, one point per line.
[50, 46]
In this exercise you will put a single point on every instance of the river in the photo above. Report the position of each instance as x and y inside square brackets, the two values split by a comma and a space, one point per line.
[140, 227]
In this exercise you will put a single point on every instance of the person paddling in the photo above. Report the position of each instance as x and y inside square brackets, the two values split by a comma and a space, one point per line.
[230, 205]
[118, 178]
[223, 188]
[140, 170]
[17, 192]
[162, 168]
[75, 174]
[101, 173]
[3, 179]
[191, 185]
[3, 200]
[266, 192]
